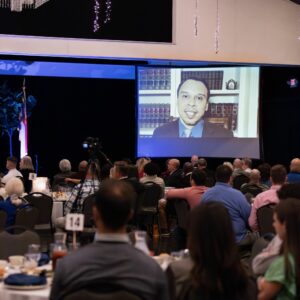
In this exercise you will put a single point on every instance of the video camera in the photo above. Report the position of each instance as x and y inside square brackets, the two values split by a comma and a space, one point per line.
[93, 146]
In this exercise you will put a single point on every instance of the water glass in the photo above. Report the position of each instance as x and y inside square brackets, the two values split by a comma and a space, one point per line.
[34, 252]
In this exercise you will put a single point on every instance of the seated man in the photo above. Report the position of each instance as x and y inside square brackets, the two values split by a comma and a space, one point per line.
[11, 166]
[111, 258]
[235, 202]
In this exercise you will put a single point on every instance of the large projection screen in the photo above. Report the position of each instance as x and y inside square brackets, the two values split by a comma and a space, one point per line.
[212, 112]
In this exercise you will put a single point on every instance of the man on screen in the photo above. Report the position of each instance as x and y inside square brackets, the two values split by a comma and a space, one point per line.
[192, 103]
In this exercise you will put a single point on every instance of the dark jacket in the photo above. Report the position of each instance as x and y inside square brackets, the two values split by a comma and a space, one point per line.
[171, 130]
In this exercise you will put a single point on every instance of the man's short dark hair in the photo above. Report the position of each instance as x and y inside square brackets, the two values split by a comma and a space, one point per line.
[122, 167]
[199, 177]
[195, 79]
[115, 201]
[202, 162]
[278, 174]
[247, 161]
[151, 169]
[13, 159]
[289, 190]
[223, 173]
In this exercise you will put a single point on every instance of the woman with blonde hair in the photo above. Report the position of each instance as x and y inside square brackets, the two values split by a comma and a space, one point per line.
[14, 189]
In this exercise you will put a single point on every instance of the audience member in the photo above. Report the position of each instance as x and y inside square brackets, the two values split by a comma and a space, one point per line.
[14, 189]
[214, 270]
[26, 167]
[186, 177]
[11, 165]
[111, 258]
[278, 178]
[78, 176]
[263, 260]
[175, 173]
[65, 172]
[294, 175]
[210, 176]
[235, 202]
[140, 163]
[247, 164]
[82, 190]
[253, 187]
[265, 170]
[151, 171]
[282, 279]
[194, 160]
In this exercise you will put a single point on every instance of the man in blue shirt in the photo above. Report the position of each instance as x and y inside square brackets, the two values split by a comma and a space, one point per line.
[235, 202]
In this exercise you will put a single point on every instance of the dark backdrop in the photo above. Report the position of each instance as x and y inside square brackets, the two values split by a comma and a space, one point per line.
[70, 109]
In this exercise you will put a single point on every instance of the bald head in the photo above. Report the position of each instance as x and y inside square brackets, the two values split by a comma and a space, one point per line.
[237, 164]
[295, 165]
[82, 166]
[255, 176]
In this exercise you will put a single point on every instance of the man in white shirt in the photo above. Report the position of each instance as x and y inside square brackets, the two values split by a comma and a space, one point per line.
[11, 166]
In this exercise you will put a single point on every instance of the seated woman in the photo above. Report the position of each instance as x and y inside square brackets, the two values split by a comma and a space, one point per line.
[282, 279]
[14, 189]
[214, 270]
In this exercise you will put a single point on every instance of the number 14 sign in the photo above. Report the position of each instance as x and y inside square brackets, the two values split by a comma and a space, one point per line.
[74, 222]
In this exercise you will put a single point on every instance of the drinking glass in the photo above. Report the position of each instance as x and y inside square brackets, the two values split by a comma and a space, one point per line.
[34, 252]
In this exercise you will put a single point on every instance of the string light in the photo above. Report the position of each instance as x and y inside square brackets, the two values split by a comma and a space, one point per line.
[217, 32]
[96, 19]
[99, 4]
[196, 18]
[108, 9]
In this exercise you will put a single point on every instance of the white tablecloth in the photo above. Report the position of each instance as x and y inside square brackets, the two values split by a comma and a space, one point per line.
[8, 294]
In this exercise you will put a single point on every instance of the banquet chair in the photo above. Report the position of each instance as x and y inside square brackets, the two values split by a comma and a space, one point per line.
[265, 219]
[92, 295]
[27, 217]
[44, 204]
[16, 244]
[147, 205]
[3, 217]
[182, 209]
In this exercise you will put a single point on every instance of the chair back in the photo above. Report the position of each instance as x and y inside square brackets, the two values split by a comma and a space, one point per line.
[265, 219]
[87, 210]
[16, 244]
[44, 204]
[92, 295]
[182, 210]
[239, 180]
[27, 217]
[149, 197]
[3, 217]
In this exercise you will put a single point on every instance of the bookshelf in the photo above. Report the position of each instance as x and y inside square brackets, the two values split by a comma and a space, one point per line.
[158, 94]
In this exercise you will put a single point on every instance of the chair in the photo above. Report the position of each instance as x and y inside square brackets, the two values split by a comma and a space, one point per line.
[182, 210]
[27, 217]
[147, 205]
[87, 210]
[92, 295]
[3, 217]
[265, 219]
[44, 204]
[16, 244]
[239, 180]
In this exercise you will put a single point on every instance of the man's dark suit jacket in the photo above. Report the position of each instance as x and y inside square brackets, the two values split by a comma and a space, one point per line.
[210, 130]
[116, 263]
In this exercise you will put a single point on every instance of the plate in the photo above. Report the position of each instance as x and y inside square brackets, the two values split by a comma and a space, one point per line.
[25, 287]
